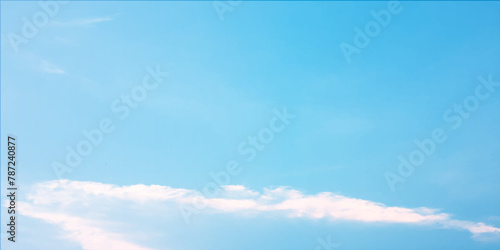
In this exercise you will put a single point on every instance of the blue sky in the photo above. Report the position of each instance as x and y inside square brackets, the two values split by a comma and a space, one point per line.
[322, 175]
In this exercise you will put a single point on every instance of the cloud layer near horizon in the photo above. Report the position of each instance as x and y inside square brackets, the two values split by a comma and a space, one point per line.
[66, 195]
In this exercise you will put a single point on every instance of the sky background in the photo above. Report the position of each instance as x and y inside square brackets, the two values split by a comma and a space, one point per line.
[352, 120]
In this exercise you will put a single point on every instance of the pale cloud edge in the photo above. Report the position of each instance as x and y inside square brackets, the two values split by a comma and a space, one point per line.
[235, 199]
[88, 233]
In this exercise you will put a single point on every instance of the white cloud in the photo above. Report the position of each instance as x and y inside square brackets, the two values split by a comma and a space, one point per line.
[54, 199]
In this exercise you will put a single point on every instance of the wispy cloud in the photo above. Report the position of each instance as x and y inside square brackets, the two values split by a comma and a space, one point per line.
[237, 199]
[86, 232]
[48, 67]
[83, 22]
[30, 61]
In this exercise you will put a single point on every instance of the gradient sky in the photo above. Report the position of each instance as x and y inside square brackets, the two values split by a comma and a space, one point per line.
[226, 77]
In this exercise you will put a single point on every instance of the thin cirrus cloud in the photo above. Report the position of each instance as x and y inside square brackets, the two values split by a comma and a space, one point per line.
[82, 22]
[54, 199]
[33, 62]
[50, 68]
